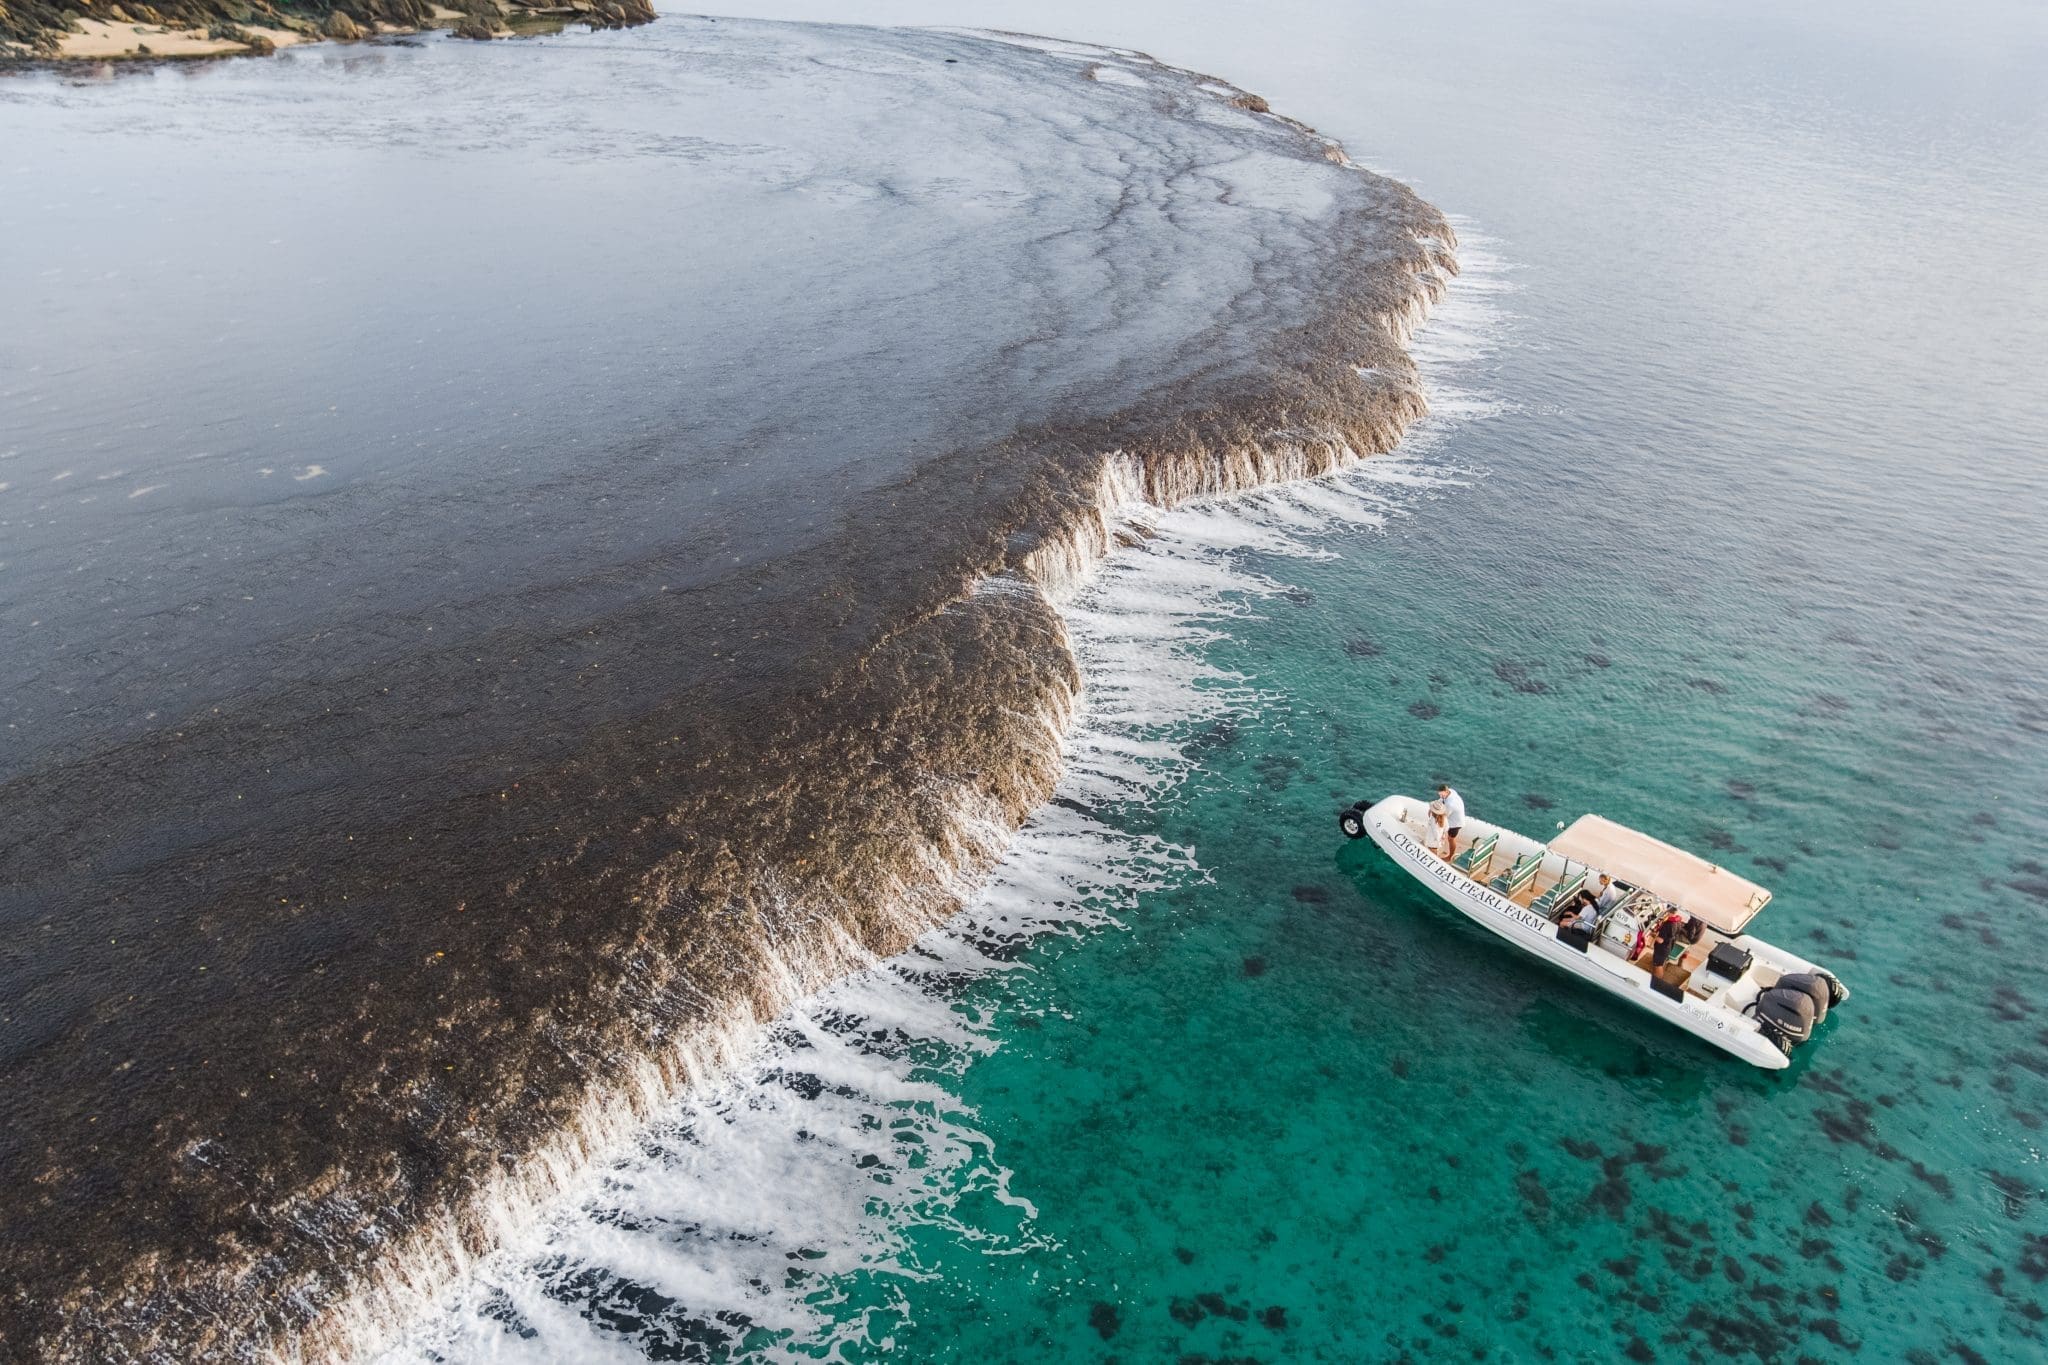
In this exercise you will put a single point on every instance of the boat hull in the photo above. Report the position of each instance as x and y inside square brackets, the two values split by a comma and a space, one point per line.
[1387, 825]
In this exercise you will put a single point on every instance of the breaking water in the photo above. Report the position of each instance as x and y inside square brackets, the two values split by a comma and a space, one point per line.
[528, 560]
[1723, 530]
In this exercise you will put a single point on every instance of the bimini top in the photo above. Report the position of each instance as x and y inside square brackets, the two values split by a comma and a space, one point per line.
[1691, 883]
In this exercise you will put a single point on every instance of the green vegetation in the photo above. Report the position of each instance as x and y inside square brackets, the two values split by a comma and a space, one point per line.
[32, 29]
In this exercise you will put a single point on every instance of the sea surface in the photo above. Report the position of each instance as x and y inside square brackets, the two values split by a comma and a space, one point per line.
[1727, 526]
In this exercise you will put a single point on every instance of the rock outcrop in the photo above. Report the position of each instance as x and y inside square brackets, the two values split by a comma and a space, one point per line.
[32, 30]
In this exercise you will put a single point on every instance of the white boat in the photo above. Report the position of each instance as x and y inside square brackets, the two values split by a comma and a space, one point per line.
[1715, 981]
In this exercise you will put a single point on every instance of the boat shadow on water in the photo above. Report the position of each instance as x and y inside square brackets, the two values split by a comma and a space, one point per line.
[1593, 1034]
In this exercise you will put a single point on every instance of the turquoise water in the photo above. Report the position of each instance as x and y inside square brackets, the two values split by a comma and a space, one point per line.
[1734, 538]
[1307, 1087]
[1301, 1111]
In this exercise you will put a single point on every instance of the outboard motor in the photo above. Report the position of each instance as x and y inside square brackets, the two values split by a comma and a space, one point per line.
[1788, 1012]
[1837, 992]
[1816, 989]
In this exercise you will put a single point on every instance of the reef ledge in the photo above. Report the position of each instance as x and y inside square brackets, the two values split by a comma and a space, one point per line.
[746, 859]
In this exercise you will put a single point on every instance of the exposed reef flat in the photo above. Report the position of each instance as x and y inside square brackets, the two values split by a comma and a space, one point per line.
[381, 842]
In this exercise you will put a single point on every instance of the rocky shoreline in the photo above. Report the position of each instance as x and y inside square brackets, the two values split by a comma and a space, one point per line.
[99, 30]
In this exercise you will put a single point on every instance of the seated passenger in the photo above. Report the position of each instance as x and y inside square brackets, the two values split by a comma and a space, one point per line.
[1600, 893]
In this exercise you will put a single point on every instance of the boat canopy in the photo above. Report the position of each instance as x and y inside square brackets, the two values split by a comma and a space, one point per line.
[1691, 883]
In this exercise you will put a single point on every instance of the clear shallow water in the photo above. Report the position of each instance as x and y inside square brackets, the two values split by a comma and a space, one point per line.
[1731, 538]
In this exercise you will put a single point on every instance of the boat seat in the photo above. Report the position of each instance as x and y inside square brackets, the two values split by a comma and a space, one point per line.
[1567, 886]
[1520, 875]
[1620, 928]
[1475, 858]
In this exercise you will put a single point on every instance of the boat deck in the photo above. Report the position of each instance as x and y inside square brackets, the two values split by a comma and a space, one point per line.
[1711, 1005]
[1680, 970]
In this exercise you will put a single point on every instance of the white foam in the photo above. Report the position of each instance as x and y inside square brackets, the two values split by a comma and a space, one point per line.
[751, 1210]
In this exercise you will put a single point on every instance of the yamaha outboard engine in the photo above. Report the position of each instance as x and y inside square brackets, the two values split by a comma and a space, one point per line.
[1837, 992]
[1790, 1010]
[1785, 1016]
[1813, 987]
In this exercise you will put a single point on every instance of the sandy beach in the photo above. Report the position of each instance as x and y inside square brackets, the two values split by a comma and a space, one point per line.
[102, 40]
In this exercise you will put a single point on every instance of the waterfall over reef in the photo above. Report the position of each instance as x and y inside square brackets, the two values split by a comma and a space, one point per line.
[538, 658]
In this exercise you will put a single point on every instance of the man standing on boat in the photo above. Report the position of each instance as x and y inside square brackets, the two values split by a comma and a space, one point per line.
[1454, 817]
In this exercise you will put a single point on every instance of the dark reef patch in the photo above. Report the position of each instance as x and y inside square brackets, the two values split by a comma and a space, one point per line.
[1520, 676]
